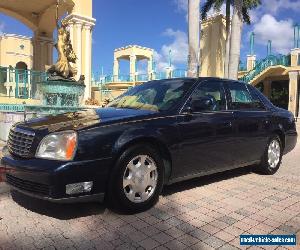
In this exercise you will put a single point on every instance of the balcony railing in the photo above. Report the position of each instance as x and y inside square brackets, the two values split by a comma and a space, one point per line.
[20, 83]
[177, 73]
[262, 65]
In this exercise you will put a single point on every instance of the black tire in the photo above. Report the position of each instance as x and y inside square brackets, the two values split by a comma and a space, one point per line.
[264, 167]
[116, 195]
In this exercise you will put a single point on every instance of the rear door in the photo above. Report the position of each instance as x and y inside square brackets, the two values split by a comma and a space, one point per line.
[251, 122]
[207, 136]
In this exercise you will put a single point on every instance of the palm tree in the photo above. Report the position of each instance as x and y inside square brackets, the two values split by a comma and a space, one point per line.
[240, 14]
[216, 5]
[194, 37]
[235, 40]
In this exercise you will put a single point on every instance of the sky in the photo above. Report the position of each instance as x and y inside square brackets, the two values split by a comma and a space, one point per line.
[162, 25]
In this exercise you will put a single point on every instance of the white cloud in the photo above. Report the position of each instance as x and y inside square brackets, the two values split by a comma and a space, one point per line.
[274, 6]
[280, 32]
[182, 5]
[178, 47]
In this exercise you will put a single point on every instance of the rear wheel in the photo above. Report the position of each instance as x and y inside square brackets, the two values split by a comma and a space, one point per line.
[137, 179]
[272, 157]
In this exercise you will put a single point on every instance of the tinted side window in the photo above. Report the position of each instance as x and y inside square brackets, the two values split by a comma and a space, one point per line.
[241, 98]
[212, 90]
[258, 104]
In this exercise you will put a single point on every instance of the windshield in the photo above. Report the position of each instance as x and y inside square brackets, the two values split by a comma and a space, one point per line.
[154, 95]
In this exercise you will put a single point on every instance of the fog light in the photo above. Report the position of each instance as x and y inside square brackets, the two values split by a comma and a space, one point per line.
[80, 187]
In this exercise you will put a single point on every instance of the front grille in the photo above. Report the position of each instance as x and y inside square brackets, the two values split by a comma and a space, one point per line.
[27, 185]
[20, 141]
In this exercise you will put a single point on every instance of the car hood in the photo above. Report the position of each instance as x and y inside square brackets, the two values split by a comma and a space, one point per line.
[84, 119]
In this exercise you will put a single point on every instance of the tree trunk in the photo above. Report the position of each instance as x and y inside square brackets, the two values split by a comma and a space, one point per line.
[228, 32]
[235, 40]
[194, 38]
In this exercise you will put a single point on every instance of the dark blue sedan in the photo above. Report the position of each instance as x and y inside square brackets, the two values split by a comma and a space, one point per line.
[155, 134]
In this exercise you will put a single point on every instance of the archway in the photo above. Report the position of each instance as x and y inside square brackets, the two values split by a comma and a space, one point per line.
[133, 54]
[21, 66]
[21, 72]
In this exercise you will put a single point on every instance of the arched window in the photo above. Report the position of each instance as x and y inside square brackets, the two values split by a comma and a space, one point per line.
[21, 66]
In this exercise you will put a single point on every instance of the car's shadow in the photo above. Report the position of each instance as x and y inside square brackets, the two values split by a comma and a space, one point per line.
[55, 210]
[71, 211]
[205, 180]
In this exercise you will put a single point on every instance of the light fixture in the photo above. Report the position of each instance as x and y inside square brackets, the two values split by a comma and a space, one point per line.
[80, 187]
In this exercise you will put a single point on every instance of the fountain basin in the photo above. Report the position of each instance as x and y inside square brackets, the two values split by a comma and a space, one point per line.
[61, 93]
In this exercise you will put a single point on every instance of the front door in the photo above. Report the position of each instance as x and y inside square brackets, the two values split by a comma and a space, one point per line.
[206, 135]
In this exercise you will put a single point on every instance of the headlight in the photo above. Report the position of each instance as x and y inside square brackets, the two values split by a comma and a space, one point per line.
[58, 146]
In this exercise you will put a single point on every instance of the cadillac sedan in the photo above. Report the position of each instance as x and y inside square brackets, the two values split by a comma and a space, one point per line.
[153, 135]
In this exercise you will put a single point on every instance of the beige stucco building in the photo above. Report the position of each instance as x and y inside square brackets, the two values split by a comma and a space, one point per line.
[16, 51]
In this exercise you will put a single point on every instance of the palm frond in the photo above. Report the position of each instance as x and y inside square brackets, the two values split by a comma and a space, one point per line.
[245, 15]
[206, 8]
[218, 5]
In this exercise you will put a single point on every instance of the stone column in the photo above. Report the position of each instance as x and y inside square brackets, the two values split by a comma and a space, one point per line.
[7, 90]
[42, 52]
[132, 67]
[77, 47]
[81, 28]
[293, 92]
[251, 59]
[50, 53]
[267, 88]
[71, 30]
[169, 72]
[43, 55]
[7, 74]
[150, 68]
[116, 70]
[295, 53]
[87, 60]
[36, 52]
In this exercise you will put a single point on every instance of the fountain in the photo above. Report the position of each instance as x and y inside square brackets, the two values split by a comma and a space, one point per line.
[60, 92]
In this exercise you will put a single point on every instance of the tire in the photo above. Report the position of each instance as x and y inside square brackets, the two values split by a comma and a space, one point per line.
[136, 180]
[271, 159]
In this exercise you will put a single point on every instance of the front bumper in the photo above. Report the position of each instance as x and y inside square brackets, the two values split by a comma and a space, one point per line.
[47, 179]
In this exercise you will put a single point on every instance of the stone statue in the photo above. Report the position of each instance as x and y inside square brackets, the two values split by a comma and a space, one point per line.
[62, 69]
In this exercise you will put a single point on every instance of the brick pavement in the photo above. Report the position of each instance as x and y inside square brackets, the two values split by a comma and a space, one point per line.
[205, 213]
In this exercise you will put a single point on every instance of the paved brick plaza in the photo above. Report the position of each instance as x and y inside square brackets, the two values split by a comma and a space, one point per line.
[206, 213]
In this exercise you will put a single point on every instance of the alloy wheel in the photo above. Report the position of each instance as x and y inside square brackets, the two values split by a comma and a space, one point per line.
[274, 151]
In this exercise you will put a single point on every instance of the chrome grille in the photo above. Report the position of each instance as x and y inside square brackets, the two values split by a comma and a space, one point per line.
[20, 141]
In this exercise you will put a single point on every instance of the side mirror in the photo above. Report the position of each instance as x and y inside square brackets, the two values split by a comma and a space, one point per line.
[206, 103]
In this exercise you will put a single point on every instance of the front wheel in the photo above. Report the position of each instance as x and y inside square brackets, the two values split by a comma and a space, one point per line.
[137, 179]
[272, 157]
